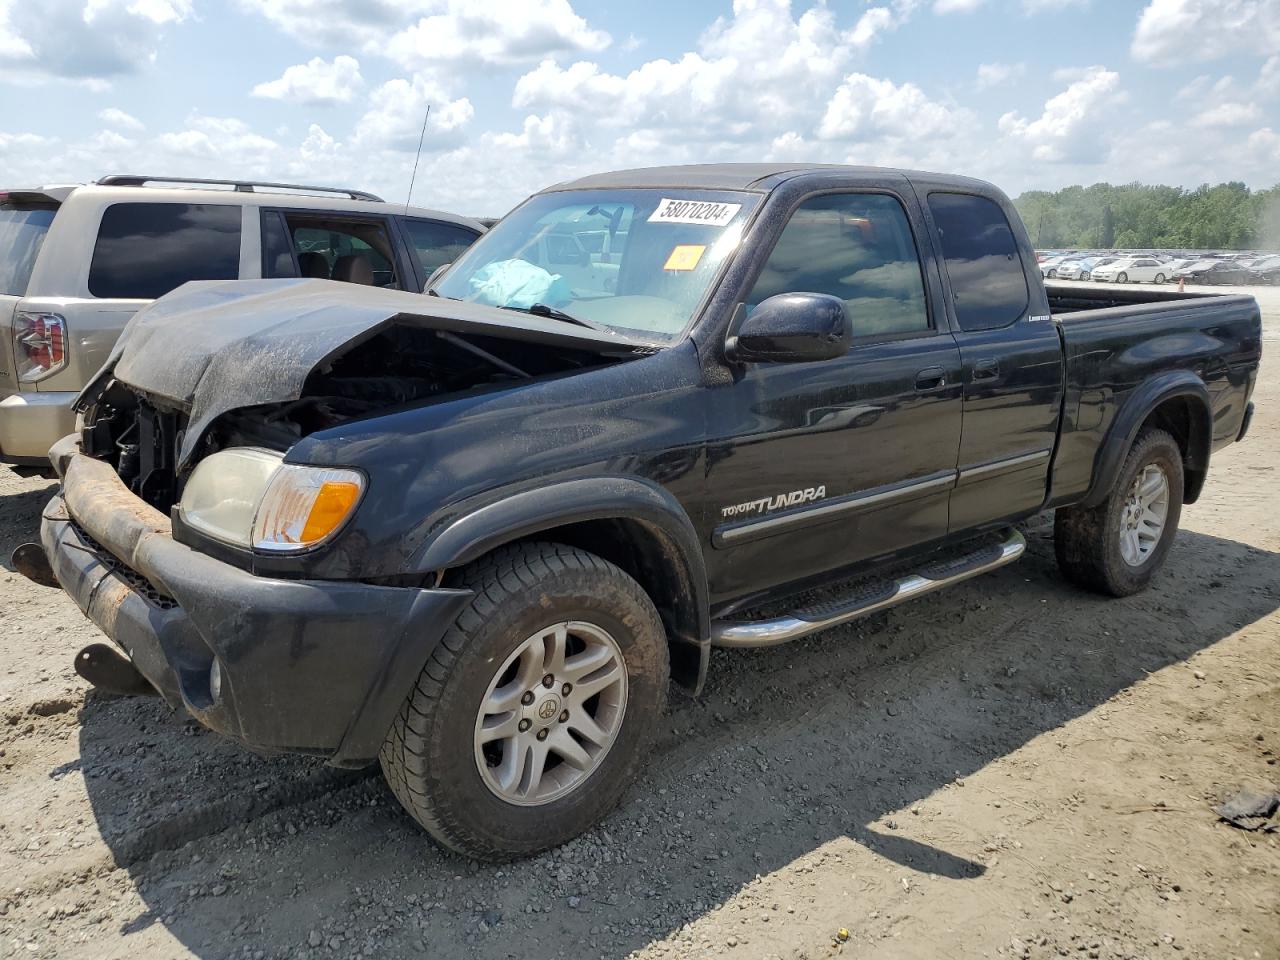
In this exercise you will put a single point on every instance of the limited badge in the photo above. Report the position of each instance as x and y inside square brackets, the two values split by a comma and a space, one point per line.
[685, 256]
[709, 213]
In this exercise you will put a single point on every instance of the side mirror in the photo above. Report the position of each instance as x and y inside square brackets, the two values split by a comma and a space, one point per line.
[435, 275]
[792, 328]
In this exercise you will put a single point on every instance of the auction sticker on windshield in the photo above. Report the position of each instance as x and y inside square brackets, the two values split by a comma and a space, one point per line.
[685, 256]
[705, 212]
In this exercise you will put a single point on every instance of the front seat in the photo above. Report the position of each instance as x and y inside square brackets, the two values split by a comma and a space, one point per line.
[313, 264]
[353, 268]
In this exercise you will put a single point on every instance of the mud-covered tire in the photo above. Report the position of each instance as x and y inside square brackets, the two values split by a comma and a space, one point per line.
[430, 757]
[1087, 540]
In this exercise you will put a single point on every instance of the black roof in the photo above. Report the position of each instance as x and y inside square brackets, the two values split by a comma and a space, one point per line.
[739, 176]
[709, 176]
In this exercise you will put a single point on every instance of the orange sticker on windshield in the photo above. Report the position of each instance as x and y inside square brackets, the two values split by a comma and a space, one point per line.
[685, 256]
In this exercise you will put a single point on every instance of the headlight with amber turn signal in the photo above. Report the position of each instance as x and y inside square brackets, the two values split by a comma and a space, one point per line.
[252, 498]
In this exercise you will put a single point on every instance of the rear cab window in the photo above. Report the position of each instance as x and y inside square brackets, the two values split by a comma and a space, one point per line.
[22, 231]
[145, 250]
[988, 284]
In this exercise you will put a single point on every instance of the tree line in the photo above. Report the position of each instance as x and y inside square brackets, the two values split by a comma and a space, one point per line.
[1228, 216]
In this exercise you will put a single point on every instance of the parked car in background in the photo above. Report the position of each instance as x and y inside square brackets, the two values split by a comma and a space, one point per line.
[1099, 262]
[1049, 267]
[1131, 270]
[76, 262]
[1265, 271]
[1223, 272]
[1074, 269]
[1201, 270]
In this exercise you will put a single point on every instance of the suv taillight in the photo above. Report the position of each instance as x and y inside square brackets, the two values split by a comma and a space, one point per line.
[39, 344]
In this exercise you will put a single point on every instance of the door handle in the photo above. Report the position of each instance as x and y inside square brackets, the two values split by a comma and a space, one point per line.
[986, 369]
[931, 378]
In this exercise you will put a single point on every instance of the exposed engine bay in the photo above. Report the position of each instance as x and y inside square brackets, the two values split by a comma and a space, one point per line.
[400, 366]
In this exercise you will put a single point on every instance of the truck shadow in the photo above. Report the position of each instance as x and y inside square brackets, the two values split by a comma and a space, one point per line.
[789, 749]
[20, 517]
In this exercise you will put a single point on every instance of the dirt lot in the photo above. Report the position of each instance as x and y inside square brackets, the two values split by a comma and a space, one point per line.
[1011, 769]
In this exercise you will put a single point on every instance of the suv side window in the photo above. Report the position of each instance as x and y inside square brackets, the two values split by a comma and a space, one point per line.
[329, 247]
[437, 243]
[988, 285]
[144, 250]
[857, 247]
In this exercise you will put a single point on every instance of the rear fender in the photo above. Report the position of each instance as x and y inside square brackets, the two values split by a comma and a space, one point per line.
[1136, 411]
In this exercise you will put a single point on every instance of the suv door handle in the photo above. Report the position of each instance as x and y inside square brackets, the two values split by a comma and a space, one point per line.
[931, 378]
[987, 369]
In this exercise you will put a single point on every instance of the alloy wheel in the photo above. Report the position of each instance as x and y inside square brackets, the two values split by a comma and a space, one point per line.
[1142, 517]
[551, 713]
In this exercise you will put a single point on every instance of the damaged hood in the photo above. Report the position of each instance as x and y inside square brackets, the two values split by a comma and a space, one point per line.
[213, 346]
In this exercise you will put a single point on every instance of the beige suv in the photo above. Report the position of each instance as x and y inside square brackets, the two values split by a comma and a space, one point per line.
[76, 262]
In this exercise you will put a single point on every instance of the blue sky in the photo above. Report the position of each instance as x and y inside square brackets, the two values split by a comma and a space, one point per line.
[1028, 93]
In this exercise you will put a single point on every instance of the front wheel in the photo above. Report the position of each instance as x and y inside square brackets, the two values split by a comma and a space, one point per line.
[534, 712]
[1159, 278]
[1122, 278]
[1117, 546]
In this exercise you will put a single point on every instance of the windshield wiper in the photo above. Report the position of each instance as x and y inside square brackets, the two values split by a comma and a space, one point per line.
[555, 313]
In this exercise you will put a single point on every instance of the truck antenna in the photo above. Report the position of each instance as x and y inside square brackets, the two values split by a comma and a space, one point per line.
[416, 158]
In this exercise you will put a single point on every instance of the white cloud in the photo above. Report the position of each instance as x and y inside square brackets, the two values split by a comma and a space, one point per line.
[115, 117]
[317, 82]
[753, 74]
[1268, 84]
[420, 33]
[1231, 114]
[995, 74]
[364, 23]
[21, 142]
[217, 139]
[867, 108]
[1161, 152]
[394, 119]
[1172, 32]
[1033, 7]
[495, 32]
[88, 41]
[1073, 124]
[956, 6]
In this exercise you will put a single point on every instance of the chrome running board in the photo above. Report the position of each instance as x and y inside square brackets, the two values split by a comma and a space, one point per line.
[867, 598]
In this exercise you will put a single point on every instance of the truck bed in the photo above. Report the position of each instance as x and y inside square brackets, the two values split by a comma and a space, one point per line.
[1071, 298]
[1117, 340]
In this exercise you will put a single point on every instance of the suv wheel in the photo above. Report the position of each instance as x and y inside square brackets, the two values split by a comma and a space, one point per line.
[533, 714]
[1117, 546]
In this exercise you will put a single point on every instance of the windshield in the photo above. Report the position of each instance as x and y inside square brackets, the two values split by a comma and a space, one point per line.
[22, 230]
[636, 261]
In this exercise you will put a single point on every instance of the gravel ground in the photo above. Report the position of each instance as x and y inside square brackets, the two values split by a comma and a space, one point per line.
[1010, 769]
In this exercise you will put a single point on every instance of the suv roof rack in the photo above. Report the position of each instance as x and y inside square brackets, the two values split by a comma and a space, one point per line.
[241, 186]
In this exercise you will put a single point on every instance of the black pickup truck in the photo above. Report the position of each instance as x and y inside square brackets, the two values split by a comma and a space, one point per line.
[473, 533]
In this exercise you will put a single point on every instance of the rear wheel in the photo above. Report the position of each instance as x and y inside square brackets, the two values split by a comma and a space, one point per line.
[1122, 278]
[534, 711]
[1117, 546]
